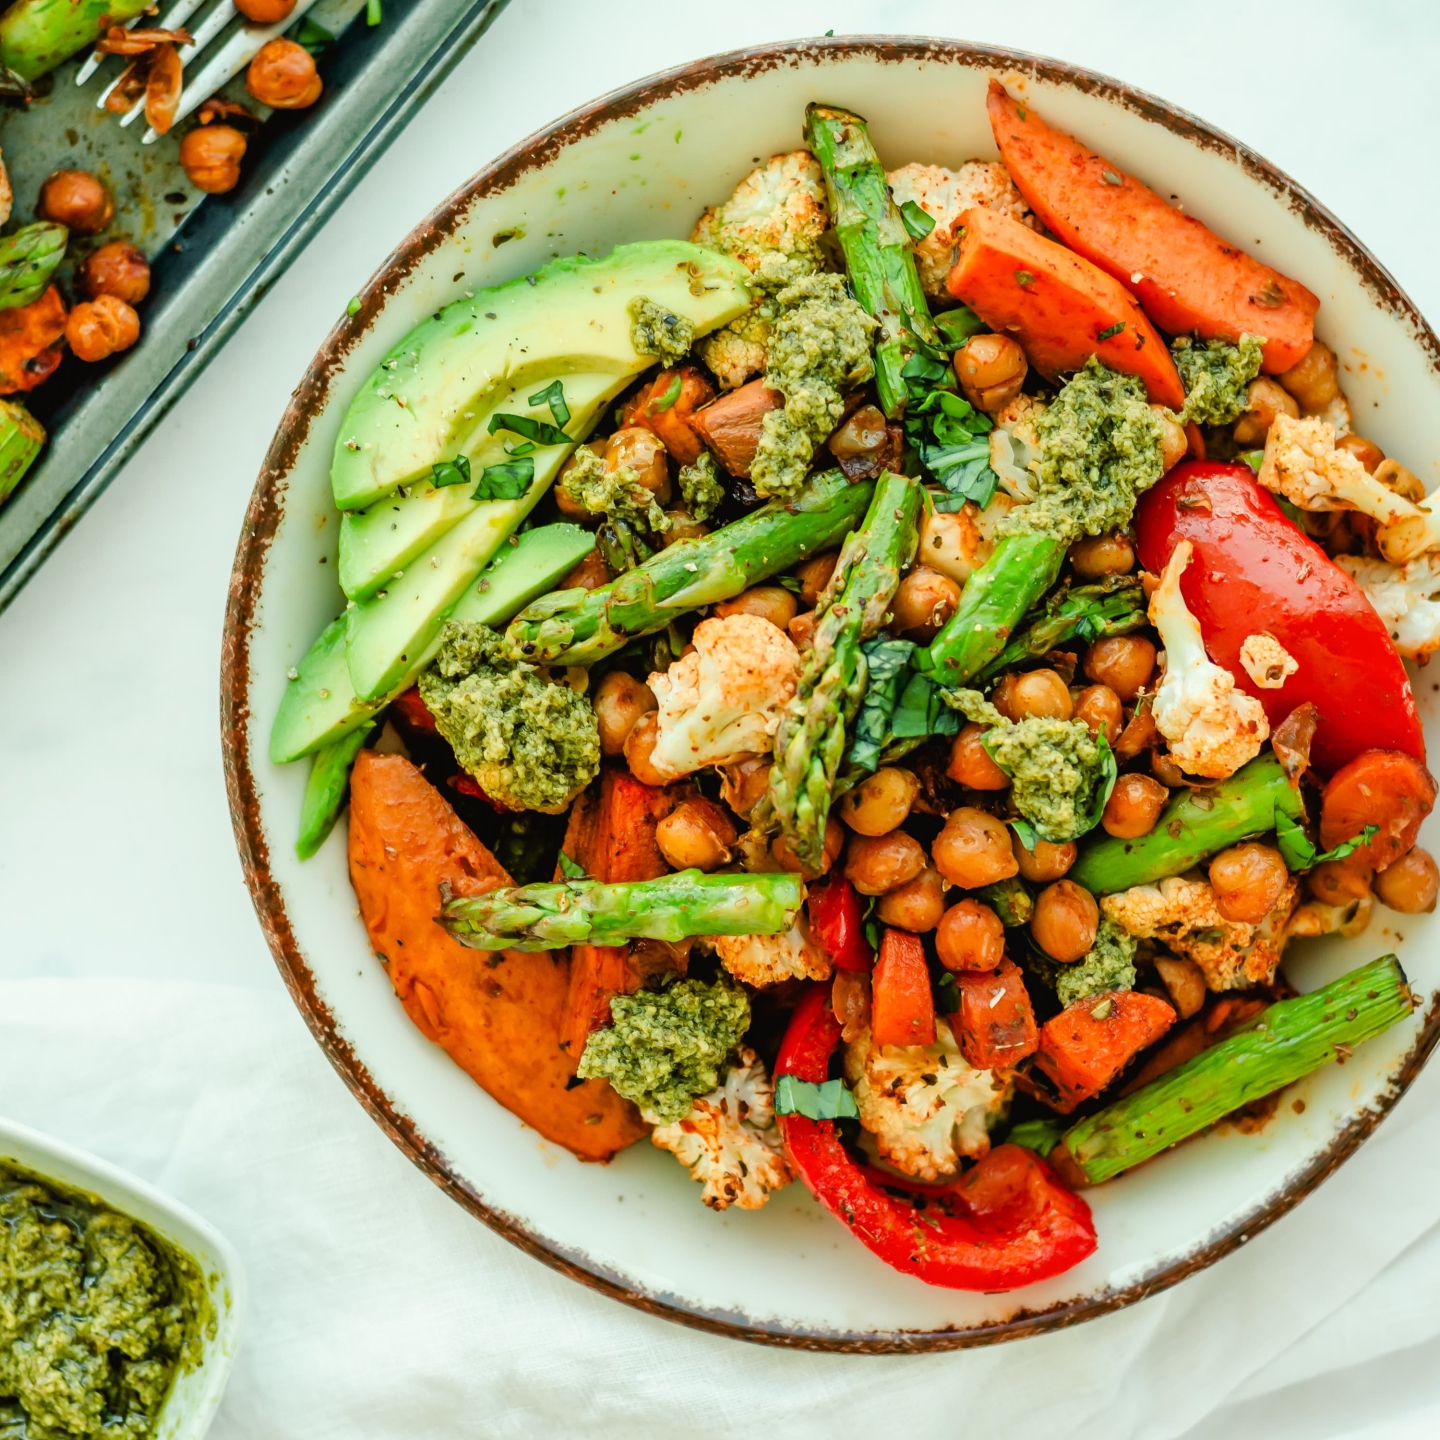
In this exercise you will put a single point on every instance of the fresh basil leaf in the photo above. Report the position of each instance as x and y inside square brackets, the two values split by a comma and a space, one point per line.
[1109, 773]
[886, 664]
[552, 395]
[570, 869]
[1255, 459]
[958, 325]
[1346, 848]
[313, 37]
[830, 1101]
[947, 995]
[1041, 1136]
[518, 450]
[1026, 831]
[917, 223]
[1111, 331]
[536, 430]
[921, 367]
[450, 472]
[671, 395]
[505, 482]
[1299, 850]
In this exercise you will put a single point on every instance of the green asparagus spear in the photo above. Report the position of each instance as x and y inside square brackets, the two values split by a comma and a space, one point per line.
[1283, 1043]
[325, 789]
[1115, 606]
[810, 743]
[588, 912]
[1010, 900]
[872, 234]
[578, 627]
[36, 35]
[1194, 825]
[1019, 571]
[21, 436]
[28, 259]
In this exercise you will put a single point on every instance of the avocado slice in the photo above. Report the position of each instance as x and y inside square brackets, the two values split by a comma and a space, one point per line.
[320, 705]
[432, 397]
[377, 543]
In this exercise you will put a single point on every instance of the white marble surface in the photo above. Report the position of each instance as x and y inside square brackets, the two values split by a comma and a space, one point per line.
[116, 860]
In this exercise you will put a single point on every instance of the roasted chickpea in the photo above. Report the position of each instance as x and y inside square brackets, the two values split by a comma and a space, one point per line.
[639, 745]
[880, 803]
[830, 848]
[1248, 881]
[801, 629]
[1367, 452]
[619, 701]
[1166, 771]
[283, 76]
[117, 269]
[862, 434]
[1185, 982]
[991, 369]
[878, 864]
[1174, 442]
[1046, 862]
[1123, 662]
[950, 542]
[590, 574]
[683, 526]
[974, 849]
[1095, 556]
[1264, 400]
[970, 763]
[696, 834]
[769, 602]
[970, 937]
[1099, 707]
[1339, 882]
[925, 600]
[566, 503]
[210, 155]
[1065, 921]
[1133, 807]
[743, 782]
[101, 327]
[1313, 381]
[644, 452]
[917, 905]
[77, 200]
[1410, 883]
[1037, 694]
[814, 575]
[265, 12]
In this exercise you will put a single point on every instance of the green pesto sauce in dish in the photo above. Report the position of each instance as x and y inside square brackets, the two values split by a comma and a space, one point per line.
[1217, 376]
[97, 1315]
[654, 330]
[617, 493]
[1099, 451]
[1109, 965]
[1056, 770]
[701, 487]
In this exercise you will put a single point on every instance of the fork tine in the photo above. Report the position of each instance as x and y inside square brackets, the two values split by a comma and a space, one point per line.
[204, 33]
[178, 15]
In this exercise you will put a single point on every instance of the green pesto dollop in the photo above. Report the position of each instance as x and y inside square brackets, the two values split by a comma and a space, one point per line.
[1216, 376]
[701, 486]
[1057, 773]
[532, 744]
[654, 330]
[1109, 965]
[665, 1047]
[1099, 450]
[616, 493]
[819, 348]
[97, 1315]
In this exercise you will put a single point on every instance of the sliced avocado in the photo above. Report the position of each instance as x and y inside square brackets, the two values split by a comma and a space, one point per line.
[326, 787]
[435, 389]
[320, 706]
[378, 542]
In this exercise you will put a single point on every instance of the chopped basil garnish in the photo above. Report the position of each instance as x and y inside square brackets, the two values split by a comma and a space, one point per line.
[917, 223]
[569, 869]
[1299, 850]
[553, 395]
[830, 1101]
[505, 482]
[671, 395]
[1111, 331]
[536, 430]
[450, 472]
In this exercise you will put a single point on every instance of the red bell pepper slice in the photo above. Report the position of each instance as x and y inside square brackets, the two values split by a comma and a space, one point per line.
[1085, 1046]
[902, 1007]
[1254, 571]
[837, 925]
[995, 1024]
[1007, 1222]
[412, 710]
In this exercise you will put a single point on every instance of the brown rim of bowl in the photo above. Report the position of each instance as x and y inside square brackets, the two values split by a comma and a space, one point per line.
[262, 521]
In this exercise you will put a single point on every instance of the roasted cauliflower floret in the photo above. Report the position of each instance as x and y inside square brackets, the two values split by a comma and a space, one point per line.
[1015, 447]
[1313, 918]
[1302, 464]
[761, 960]
[1212, 727]
[738, 350]
[1267, 662]
[1406, 597]
[729, 1141]
[724, 699]
[778, 209]
[1182, 914]
[945, 195]
[924, 1104]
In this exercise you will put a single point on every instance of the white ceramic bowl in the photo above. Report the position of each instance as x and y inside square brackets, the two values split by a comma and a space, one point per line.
[639, 164]
[195, 1396]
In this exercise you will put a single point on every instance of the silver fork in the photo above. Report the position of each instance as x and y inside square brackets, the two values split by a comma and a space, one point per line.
[222, 66]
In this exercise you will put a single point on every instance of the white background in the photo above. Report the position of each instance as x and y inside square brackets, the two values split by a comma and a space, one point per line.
[116, 859]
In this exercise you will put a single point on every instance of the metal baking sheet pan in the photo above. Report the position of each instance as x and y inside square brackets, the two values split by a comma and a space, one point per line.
[212, 256]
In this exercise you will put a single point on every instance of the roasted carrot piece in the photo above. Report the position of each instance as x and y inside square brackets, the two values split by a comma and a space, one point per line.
[30, 342]
[1187, 277]
[902, 1009]
[1378, 787]
[497, 1016]
[1085, 1046]
[667, 407]
[1059, 307]
[996, 1021]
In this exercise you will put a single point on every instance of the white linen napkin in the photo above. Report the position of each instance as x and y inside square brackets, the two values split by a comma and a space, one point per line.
[380, 1309]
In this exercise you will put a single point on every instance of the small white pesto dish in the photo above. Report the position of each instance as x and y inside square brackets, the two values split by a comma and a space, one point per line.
[194, 1396]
